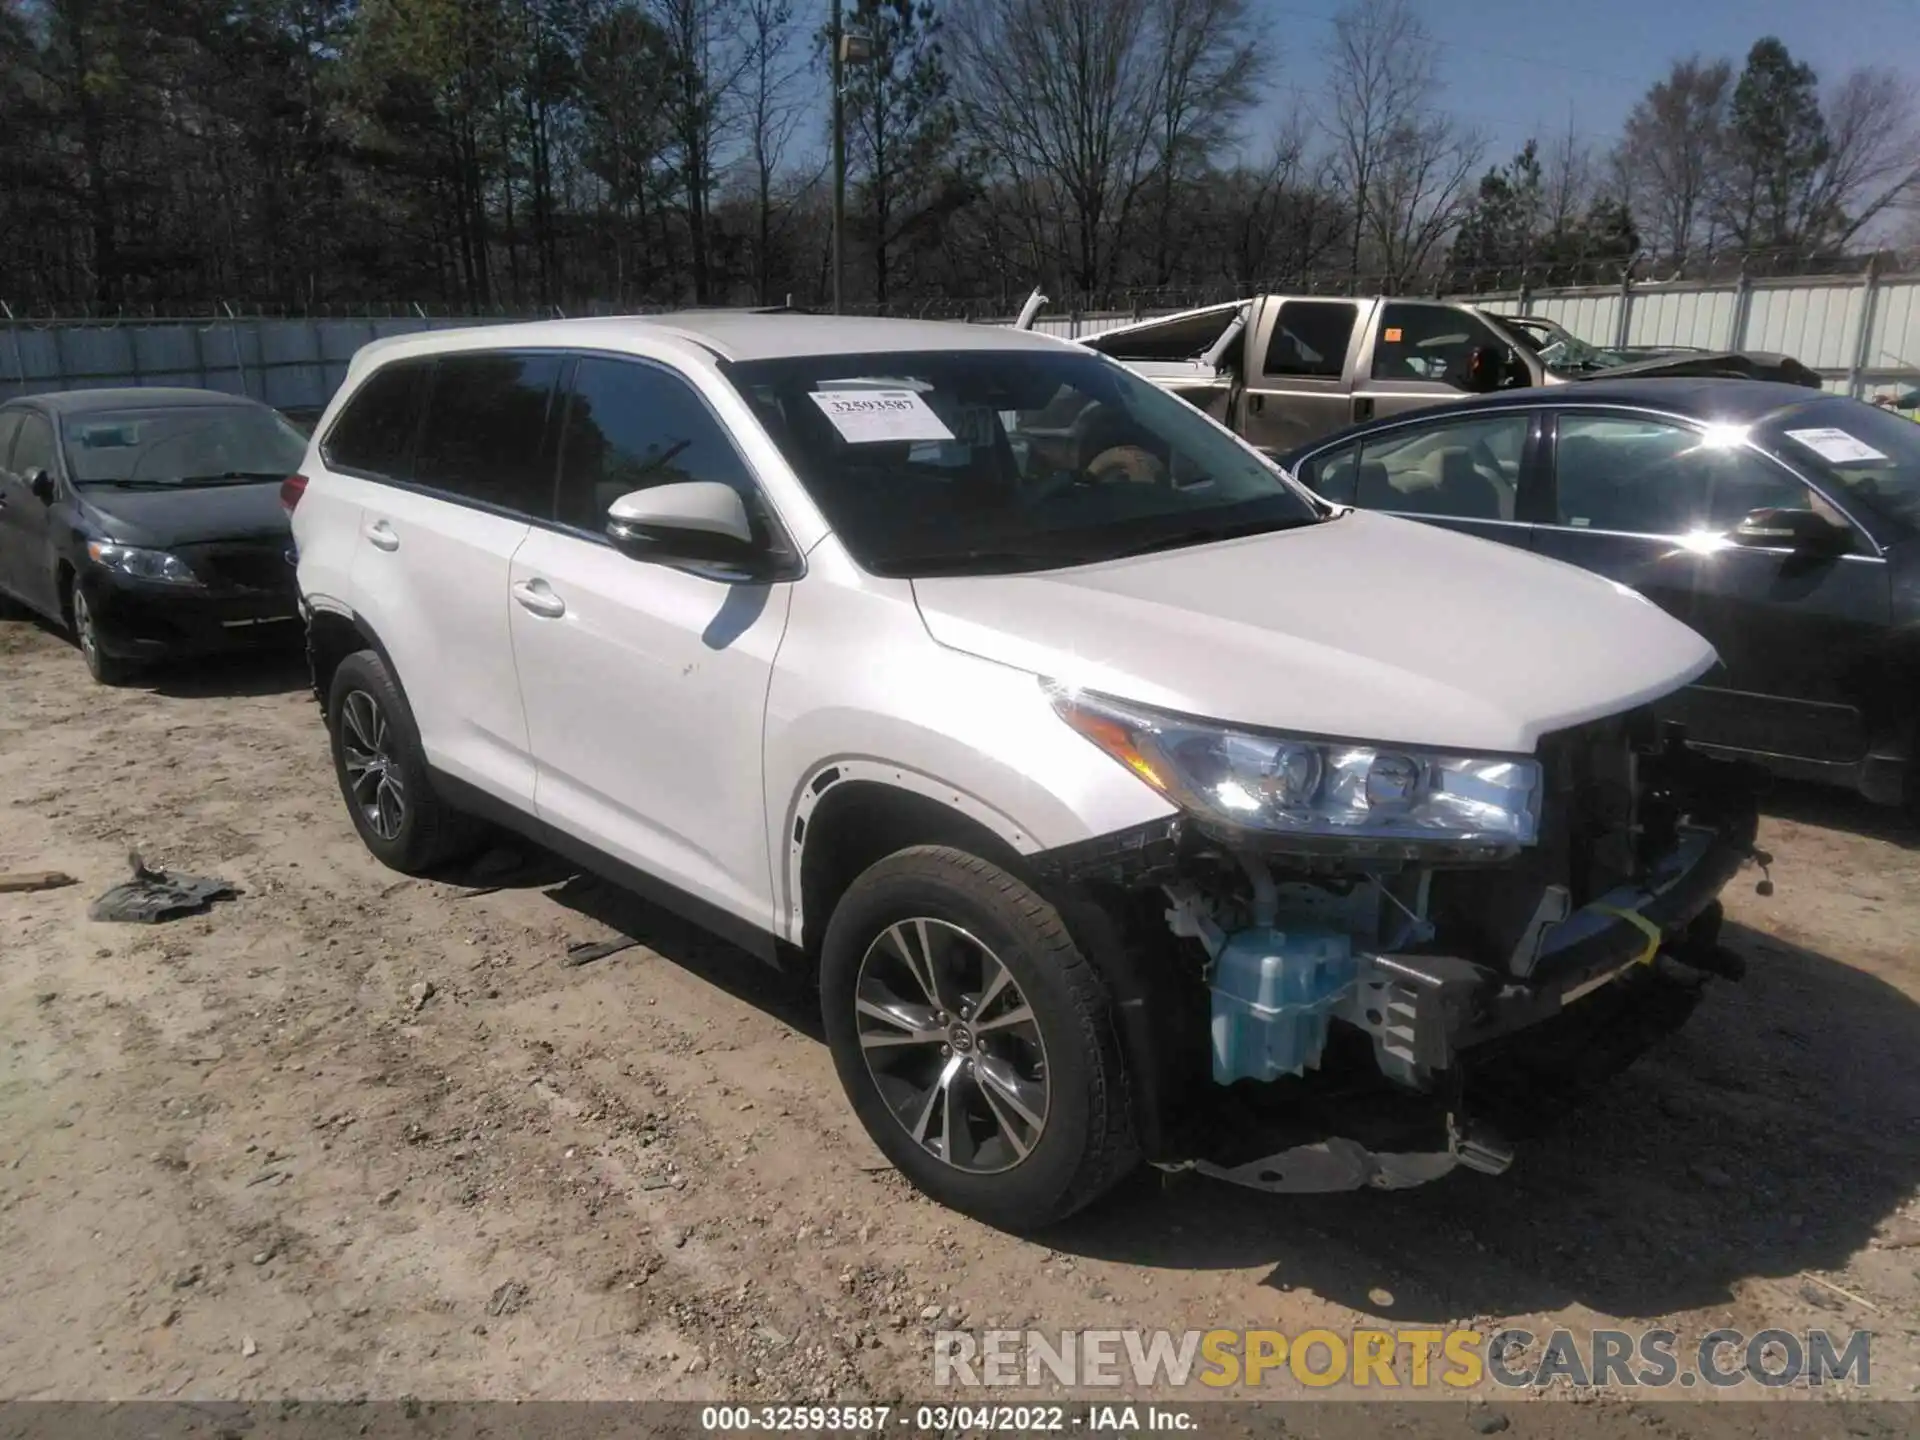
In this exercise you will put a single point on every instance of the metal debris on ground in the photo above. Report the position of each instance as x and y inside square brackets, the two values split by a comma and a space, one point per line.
[585, 952]
[25, 881]
[154, 895]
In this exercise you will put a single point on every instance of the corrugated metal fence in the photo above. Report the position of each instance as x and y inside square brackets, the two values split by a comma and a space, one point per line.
[294, 365]
[1861, 332]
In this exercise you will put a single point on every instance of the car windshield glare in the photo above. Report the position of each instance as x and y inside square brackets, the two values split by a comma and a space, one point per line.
[978, 461]
[184, 445]
[1864, 457]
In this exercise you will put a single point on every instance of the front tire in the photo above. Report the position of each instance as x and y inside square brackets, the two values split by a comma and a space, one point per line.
[976, 1042]
[104, 668]
[383, 772]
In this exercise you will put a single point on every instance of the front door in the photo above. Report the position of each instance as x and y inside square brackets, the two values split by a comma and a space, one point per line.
[27, 567]
[1649, 501]
[646, 687]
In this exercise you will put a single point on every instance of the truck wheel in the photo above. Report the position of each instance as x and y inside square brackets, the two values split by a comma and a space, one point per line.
[383, 772]
[975, 1040]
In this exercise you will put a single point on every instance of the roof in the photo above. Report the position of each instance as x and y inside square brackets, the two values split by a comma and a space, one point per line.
[132, 397]
[1734, 401]
[730, 334]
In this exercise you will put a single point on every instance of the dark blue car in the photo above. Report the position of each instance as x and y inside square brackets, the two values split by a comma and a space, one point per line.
[1782, 524]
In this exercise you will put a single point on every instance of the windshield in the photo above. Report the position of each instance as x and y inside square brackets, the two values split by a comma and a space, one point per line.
[984, 461]
[183, 445]
[1865, 456]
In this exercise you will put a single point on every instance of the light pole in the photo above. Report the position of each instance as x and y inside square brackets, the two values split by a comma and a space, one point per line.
[849, 47]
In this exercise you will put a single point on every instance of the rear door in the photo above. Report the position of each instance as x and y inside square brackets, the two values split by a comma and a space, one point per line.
[1296, 389]
[1469, 472]
[1648, 500]
[431, 569]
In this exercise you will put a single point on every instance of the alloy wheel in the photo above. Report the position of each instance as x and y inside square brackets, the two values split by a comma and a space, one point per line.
[952, 1045]
[84, 631]
[373, 773]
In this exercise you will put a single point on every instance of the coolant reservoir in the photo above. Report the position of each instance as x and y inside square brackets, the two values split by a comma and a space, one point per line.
[1273, 996]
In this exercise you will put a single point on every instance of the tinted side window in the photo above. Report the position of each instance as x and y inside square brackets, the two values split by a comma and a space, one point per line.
[1427, 342]
[1468, 470]
[1310, 338]
[9, 423]
[630, 426]
[33, 447]
[375, 431]
[486, 427]
[1332, 473]
[1652, 477]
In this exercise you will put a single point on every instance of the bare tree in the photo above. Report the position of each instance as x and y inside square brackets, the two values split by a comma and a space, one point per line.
[711, 54]
[1668, 154]
[772, 110]
[1389, 145]
[1416, 194]
[1873, 164]
[1282, 218]
[1209, 70]
[1061, 95]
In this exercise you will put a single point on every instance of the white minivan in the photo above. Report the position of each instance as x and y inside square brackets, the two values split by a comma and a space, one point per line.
[1129, 802]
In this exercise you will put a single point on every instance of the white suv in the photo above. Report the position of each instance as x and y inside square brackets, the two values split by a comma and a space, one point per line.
[1128, 801]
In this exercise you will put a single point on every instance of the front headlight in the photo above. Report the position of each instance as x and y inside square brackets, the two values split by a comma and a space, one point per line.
[1316, 788]
[141, 564]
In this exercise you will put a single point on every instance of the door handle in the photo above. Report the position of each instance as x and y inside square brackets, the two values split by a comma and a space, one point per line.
[381, 535]
[534, 595]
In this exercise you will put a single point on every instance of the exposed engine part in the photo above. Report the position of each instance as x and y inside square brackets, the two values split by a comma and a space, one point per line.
[1556, 904]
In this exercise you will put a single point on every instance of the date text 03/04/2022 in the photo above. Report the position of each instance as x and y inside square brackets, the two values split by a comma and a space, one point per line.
[1089, 1419]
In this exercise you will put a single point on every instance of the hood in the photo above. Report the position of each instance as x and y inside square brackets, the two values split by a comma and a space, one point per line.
[1364, 627]
[160, 518]
[1728, 364]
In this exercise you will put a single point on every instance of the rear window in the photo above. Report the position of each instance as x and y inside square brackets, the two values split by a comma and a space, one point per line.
[374, 434]
[485, 433]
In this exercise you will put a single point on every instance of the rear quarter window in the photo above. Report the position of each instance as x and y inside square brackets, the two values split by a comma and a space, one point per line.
[375, 432]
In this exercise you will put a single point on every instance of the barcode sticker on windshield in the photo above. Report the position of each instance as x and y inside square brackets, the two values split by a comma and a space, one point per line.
[867, 417]
[1837, 446]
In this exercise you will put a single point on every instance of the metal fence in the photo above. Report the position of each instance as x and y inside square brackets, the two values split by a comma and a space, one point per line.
[1861, 332]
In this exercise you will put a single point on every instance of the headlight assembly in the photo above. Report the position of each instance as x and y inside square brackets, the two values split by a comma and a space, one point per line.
[129, 560]
[1313, 788]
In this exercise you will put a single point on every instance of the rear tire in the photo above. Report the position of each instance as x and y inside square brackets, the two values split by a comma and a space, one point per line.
[383, 772]
[1019, 1122]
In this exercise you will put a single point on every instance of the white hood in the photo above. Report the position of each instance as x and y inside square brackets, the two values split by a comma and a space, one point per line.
[1366, 628]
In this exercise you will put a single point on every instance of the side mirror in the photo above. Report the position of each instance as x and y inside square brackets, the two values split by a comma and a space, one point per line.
[688, 522]
[1487, 368]
[41, 484]
[1806, 532]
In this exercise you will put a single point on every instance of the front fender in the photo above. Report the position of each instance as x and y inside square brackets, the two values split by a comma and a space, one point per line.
[862, 689]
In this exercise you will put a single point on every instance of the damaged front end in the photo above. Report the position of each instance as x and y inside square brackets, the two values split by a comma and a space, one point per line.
[1373, 995]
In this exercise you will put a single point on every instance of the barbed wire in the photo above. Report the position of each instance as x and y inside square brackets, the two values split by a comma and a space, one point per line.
[1723, 267]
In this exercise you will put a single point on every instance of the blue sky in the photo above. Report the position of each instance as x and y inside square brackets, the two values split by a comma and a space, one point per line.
[1521, 67]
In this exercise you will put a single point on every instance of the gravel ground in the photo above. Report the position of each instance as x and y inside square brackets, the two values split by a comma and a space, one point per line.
[356, 1135]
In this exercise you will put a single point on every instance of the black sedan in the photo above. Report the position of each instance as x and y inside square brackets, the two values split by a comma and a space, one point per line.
[148, 522]
[1782, 524]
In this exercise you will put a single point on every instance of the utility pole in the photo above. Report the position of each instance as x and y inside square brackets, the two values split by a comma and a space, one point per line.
[834, 33]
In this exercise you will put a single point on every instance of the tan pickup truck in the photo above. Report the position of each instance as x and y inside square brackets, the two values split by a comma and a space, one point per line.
[1286, 369]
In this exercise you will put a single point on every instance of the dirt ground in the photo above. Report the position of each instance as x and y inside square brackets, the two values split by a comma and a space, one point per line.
[355, 1135]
